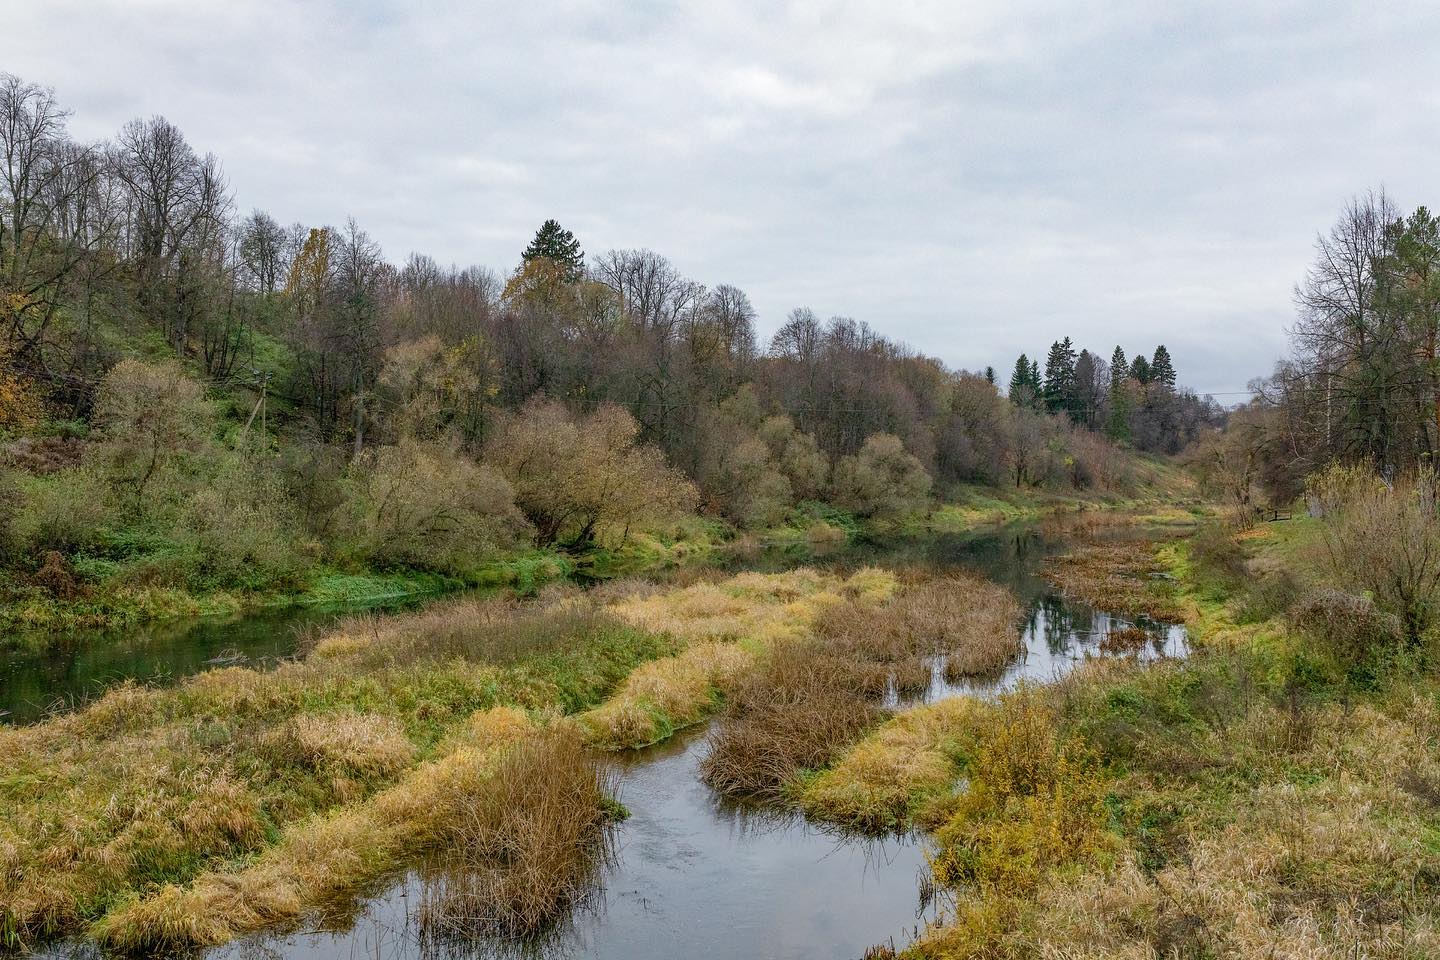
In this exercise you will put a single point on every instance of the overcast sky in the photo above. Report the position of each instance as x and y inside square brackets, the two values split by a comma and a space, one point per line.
[974, 178]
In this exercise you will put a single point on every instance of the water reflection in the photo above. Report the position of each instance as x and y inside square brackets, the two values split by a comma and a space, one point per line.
[42, 676]
[692, 877]
[695, 875]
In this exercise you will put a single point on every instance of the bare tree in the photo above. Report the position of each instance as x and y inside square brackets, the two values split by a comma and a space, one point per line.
[47, 205]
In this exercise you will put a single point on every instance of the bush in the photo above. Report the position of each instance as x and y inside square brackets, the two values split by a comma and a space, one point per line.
[574, 477]
[151, 413]
[239, 528]
[64, 511]
[1384, 540]
[426, 506]
[882, 480]
[1349, 629]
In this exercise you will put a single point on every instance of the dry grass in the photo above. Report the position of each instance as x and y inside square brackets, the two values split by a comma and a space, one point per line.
[760, 607]
[795, 714]
[1235, 826]
[1122, 641]
[911, 677]
[133, 812]
[812, 698]
[961, 616]
[149, 789]
[729, 623]
[666, 695]
[493, 630]
[1119, 577]
[892, 775]
[528, 848]
[324, 861]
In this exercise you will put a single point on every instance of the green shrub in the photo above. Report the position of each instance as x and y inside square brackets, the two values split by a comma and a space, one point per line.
[1348, 629]
[64, 511]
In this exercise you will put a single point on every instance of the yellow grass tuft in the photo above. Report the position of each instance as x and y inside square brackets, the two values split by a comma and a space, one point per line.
[321, 860]
[347, 743]
[883, 781]
[665, 695]
[763, 607]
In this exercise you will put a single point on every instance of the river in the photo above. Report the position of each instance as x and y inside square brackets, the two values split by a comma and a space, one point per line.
[694, 875]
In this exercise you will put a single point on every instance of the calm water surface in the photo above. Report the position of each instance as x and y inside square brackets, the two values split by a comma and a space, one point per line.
[695, 876]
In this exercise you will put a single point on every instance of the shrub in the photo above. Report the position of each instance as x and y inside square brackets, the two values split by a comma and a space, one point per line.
[64, 511]
[426, 506]
[1349, 629]
[882, 480]
[151, 413]
[575, 477]
[239, 527]
[1384, 539]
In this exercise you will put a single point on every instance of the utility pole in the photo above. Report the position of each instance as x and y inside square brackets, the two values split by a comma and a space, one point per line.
[259, 407]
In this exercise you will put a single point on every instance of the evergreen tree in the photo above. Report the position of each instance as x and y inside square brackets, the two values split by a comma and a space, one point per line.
[1060, 377]
[555, 243]
[1117, 424]
[1140, 369]
[1087, 390]
[990, 376]
[1162, 371]
[1021, 392]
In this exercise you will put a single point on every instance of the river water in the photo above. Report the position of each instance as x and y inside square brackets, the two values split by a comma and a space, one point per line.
[694, 875]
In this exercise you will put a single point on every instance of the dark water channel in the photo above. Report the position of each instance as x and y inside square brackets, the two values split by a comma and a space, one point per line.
[695, 876]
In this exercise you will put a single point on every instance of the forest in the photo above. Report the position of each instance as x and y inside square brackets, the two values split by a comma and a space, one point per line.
[199, 400]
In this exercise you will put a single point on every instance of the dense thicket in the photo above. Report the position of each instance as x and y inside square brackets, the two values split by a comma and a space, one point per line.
[160, 348]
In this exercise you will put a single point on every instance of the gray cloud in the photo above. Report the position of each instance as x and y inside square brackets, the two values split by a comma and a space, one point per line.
[976, 179]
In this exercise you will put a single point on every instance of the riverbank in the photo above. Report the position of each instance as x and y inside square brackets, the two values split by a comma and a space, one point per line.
[34, 616]
[380, 706]
[1258, 799]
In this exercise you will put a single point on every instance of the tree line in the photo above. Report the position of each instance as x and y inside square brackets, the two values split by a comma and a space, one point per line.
[133, 251]
[1361, 383]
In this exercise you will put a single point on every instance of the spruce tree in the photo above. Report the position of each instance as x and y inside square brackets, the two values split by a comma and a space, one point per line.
[990, 376]
[1117, 424]
[1162, 371]
[1020, 392]
[555, 243]
[1060, 377]
[1087, 391]
[1140, 369]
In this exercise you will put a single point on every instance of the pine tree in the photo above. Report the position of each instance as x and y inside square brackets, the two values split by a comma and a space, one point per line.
[1162, 371]
[1117, 425]
[555, 243]
[990, 376]
[1140, 369]
[1060, 377]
